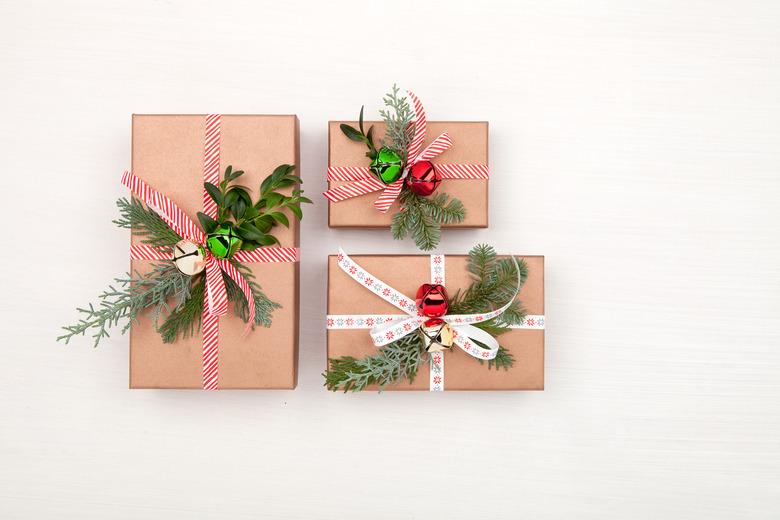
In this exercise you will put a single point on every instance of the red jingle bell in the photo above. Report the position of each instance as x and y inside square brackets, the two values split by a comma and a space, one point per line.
[423, 179]
[432, 300]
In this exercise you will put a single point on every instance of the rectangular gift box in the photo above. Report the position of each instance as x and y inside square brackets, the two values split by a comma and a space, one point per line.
[406, 273]
[470, 140]
[168, 153]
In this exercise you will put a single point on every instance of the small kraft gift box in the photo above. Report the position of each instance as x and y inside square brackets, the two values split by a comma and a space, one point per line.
[435, 322]
[407, 173]
[174, 159]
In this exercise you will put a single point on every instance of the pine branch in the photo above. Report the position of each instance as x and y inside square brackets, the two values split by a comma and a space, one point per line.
[398, 360]
[145, 222]
[398, 122]
[135, 294]
[264, 306]
[187, 318]
[421, 217]
[504, 359]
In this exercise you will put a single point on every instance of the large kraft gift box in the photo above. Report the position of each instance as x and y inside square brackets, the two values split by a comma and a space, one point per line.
[168, 153]
[406, 273]
[470, 146]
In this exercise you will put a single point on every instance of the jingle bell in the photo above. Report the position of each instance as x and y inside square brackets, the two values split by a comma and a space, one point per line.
[387, 165]
[423, 179]
[438, 337]
[189, 258]
[432, 300]
[223, 241]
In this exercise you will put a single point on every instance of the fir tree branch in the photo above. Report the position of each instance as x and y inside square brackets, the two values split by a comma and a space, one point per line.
[398, 360]
[187, 318]
[264, 306]
[421, 217]
[145, 222]
[134, 294]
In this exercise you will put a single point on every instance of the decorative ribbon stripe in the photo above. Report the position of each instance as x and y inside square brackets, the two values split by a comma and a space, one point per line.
[386, 328]
[215, 300]
[362, 182]
[368, 321]
[144, 252]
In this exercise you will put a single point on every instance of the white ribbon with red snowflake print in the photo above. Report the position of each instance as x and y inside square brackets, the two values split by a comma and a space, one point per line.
[386, 328]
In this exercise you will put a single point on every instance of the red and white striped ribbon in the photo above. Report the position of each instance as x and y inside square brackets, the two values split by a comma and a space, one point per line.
[386, 328]
[361, 181]
[216, 301]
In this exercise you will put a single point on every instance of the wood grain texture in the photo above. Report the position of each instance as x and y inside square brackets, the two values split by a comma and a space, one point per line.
[634, 144]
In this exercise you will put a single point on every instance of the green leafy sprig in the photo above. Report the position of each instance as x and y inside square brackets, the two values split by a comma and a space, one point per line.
[361, 136]
[175, 298]
[494, 281]
[252, 221]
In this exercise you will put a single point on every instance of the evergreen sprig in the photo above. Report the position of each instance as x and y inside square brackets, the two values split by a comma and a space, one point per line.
[494, 281]
[264, 306]
[398, 117]
[422, 217]
[400, 359]
[144, 222]
[252, 221]
[133, 294]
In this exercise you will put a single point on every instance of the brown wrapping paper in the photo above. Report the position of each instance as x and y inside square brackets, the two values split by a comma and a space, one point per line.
[462, 372]
[168, 154]
[470, 146]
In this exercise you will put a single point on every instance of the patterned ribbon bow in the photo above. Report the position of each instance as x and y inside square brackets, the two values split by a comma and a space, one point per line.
[216, 301]
[361, 181]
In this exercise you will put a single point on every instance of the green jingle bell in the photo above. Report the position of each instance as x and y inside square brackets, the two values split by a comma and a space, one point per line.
[387, 165]
[223, 241]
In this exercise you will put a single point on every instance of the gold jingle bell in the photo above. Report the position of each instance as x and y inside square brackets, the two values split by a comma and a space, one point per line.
[437, 336]
[189, 258]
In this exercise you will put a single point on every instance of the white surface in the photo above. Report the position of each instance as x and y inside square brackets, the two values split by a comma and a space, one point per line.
[635, 144]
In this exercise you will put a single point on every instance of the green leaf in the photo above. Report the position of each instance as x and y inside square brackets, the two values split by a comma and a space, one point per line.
[250, 232]
[214, 193]
[296, 210]
[207, 223]
[353, 134]
[370, 137]
[273, 199]
[361, 120]
[280, 218]
[230, 199]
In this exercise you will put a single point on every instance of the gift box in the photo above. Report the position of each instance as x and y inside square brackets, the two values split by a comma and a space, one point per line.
[168, 154]
[355, 305]
[470, 146]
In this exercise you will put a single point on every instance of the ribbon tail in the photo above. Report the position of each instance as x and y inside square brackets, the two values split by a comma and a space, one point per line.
[439, 145]
[394, 330]
[235, 274]
[216, 294]
[388, 196]
[464, 336]
[420, 128]
[165, 207]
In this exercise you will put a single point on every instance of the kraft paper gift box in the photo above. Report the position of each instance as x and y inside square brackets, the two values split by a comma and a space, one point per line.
[168, 153]
[470, 146]
[406, 273]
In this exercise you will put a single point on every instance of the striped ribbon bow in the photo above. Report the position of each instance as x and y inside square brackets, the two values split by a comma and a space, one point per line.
[361, 181]
[216, 301]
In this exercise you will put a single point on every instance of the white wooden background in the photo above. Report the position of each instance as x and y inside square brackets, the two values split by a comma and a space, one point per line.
[635, 144]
